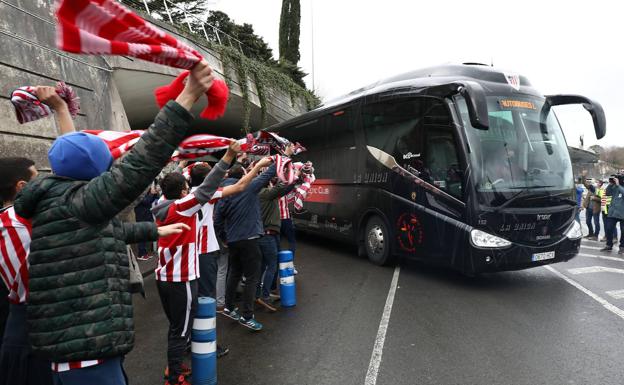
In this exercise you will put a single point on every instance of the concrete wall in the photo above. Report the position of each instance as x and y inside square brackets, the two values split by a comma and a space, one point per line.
[28, 56]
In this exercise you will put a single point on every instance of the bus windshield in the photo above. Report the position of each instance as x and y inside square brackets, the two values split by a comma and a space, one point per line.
[523, 149]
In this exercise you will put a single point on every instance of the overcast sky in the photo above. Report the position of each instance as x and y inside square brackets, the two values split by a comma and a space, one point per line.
[561, 46]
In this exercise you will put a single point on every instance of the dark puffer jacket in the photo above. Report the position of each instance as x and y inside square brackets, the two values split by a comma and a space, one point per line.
[79, 306]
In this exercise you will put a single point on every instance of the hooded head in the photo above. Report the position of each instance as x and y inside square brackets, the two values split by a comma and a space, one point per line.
[79, 156]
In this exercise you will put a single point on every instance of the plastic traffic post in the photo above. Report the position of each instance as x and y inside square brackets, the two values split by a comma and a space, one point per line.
[288, 295]
[204, 343]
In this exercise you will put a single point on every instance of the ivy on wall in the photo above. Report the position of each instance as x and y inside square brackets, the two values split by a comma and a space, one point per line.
[264, 77]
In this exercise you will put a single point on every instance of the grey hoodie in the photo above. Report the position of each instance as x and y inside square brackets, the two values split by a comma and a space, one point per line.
[203, 193]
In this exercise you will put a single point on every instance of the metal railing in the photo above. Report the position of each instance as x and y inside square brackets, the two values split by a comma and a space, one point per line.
[195, 26]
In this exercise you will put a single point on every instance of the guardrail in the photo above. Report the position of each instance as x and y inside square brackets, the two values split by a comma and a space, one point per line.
[196, 26]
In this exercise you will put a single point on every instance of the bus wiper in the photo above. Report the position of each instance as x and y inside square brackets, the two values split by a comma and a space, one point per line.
[534, 196]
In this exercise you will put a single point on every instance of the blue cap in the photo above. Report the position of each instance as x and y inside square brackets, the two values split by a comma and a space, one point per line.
[79, 156]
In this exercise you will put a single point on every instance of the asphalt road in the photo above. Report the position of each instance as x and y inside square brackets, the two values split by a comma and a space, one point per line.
[562, 324]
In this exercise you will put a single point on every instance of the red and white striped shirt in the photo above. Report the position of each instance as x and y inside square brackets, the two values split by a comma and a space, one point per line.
[283, 207]
[206, 236]
[15, 237]
[177, 253]
[14, 247]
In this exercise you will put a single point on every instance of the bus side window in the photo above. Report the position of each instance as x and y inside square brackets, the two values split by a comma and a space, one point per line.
[395, 126]
[339, 130]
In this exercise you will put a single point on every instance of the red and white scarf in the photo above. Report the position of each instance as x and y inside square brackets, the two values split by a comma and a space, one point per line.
[28, 107]
[193, 147]
[105, 27]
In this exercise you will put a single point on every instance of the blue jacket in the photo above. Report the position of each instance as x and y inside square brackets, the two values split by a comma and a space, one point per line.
[237, 217]
[616, 209]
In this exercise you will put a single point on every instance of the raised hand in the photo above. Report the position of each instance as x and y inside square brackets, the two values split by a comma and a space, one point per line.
[176, 228]
[198, 82]
[48, 95]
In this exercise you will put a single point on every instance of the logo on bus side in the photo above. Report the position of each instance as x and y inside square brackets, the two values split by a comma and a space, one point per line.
[410, 232]
[409, 155]
[543, 217]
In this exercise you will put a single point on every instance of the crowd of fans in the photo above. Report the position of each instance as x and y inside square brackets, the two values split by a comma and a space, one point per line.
[602, 200]
[66, 315]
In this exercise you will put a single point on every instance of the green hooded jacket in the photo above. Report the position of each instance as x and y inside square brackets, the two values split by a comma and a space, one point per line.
[79, 304]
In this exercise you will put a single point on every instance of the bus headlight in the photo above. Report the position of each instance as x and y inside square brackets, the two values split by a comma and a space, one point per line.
[574, 232]
[482, 239]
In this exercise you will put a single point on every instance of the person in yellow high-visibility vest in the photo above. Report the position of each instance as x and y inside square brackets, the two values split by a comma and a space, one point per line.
[605, 202]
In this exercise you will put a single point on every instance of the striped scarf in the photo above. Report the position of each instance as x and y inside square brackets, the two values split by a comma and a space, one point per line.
[29, 108]
[193, 147]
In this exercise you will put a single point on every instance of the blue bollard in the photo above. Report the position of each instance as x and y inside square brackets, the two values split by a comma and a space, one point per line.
[204, 343]
[287, 279]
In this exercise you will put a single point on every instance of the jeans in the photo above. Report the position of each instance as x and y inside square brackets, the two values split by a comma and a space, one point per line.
[269, 245]
[109, 372]
[589, 214]
[596, 217]
[604, 220]
[611, 222]
[245, 259]
[288, 229]
[207, 282]
[222, 275]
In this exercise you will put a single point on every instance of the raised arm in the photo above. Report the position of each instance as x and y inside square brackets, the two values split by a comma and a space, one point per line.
[276, 192]
[242, 184]
[262, 180]
[105, 196]
[48, 95]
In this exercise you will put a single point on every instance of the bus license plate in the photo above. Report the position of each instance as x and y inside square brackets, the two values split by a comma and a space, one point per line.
[543, 256]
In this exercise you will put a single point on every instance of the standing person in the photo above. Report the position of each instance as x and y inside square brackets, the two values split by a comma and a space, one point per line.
[605, 204]
[238, 222]
[579, 198]
[181, 256]
[18, 365]
[589, 211]
[616, 215]
[595, 209]
[287, 228]
[84, 321]
[143, 213]
[269, 241]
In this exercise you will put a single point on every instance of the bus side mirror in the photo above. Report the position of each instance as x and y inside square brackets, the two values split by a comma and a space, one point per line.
[477, 104]
[594, 108]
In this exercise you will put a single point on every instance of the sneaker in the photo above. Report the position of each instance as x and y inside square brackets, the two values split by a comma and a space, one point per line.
[592, 238]
[266, 303]
[222, 351]
[606, 248]
[588, 236]
[275, 296]
[250, 323]
[220, 309]
[233, 314]
[603, 239]
[185, 371]
[145, 257]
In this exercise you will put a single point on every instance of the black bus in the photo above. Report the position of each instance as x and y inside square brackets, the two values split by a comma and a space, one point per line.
[459, 165]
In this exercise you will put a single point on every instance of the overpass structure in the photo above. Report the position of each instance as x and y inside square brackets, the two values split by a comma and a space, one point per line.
[116, 92]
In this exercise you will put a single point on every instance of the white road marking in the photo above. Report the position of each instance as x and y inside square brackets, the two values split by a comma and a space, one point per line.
[595, 269]
[375, 361]
[601, 257]
[591, 247]
[607, 305]
[617, 294]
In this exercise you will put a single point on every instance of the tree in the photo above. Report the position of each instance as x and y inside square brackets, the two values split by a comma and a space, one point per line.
[180, 10]
[289, 31]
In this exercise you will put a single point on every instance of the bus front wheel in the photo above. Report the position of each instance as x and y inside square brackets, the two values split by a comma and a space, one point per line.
[377, 241]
